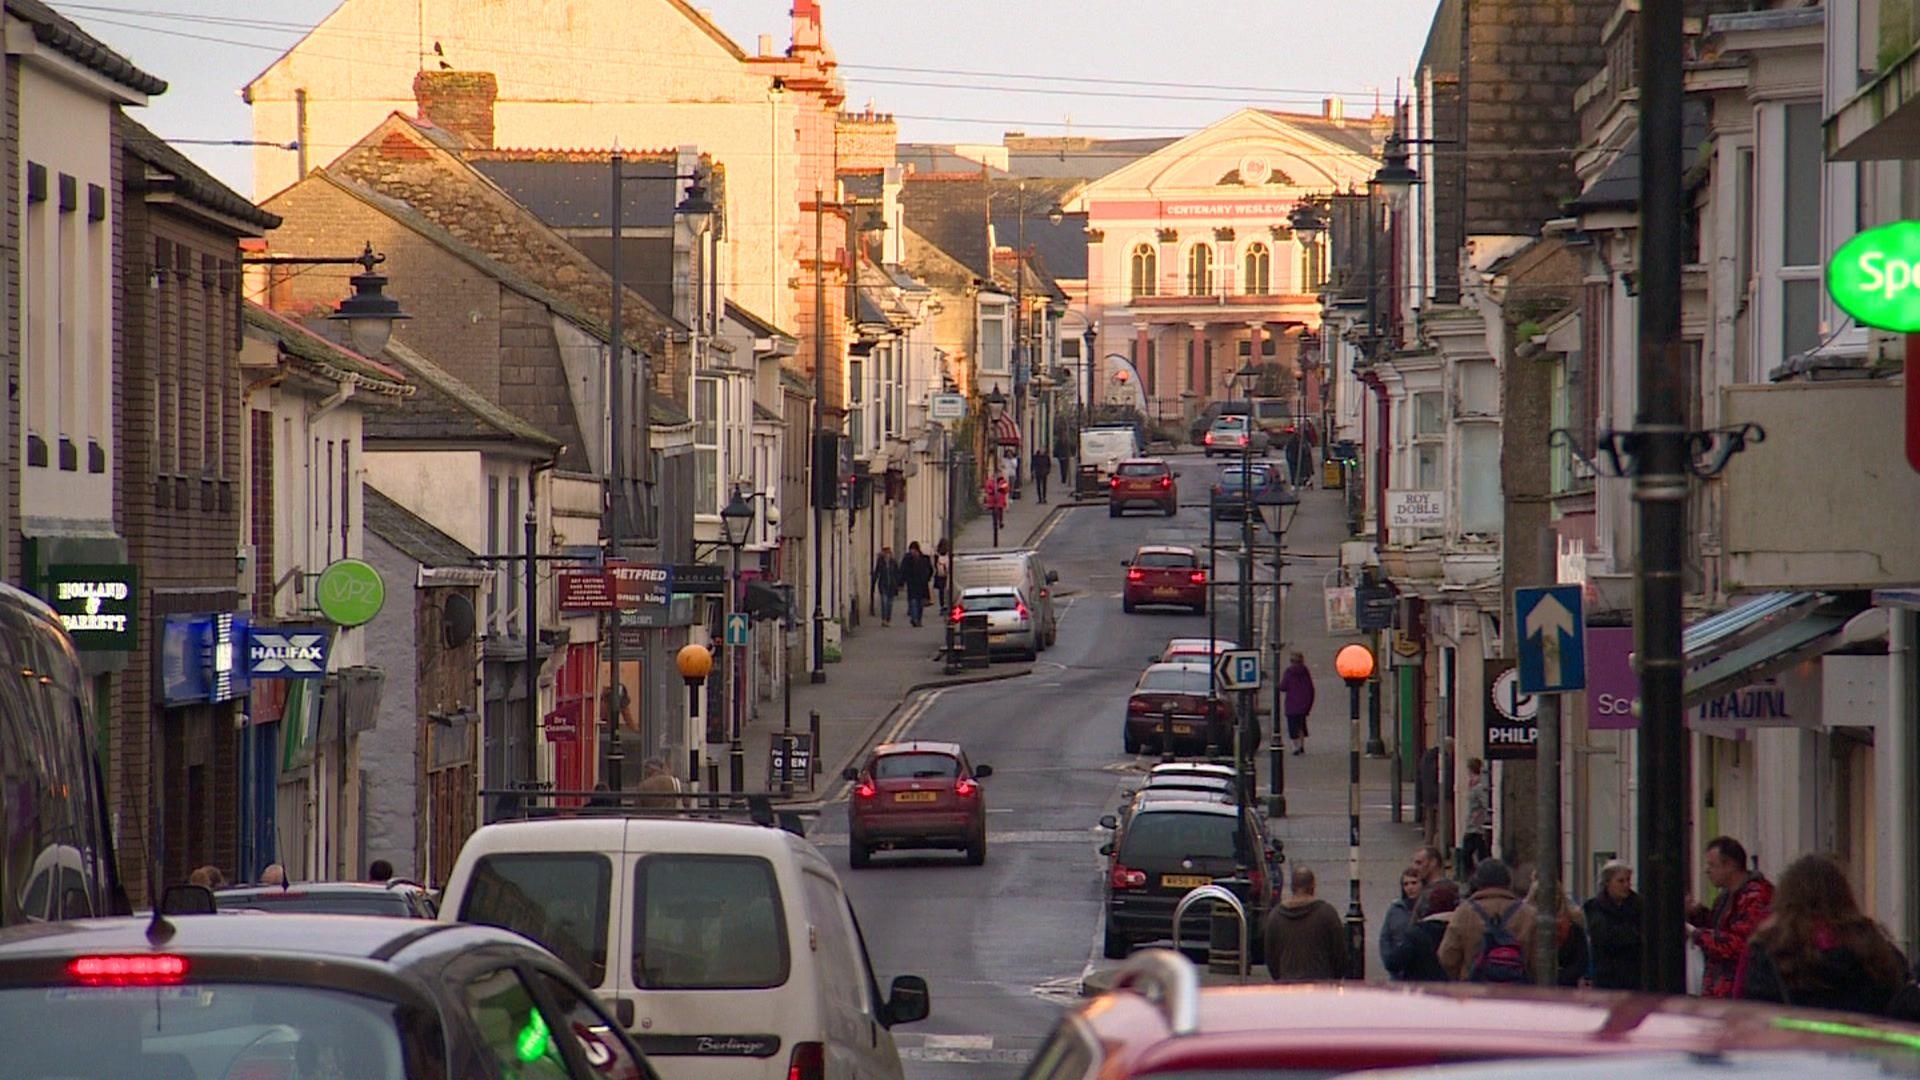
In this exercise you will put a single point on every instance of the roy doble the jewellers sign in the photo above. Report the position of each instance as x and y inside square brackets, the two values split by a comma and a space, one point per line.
[96, 603]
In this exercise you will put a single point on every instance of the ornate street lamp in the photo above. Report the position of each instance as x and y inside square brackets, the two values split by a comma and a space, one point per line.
[736, 520]
[1395, 176]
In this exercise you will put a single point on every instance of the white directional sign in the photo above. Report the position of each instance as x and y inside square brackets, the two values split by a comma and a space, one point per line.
[1238, 669]
[1552, 639]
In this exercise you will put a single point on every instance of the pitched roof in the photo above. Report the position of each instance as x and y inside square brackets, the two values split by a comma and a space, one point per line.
[575, 195]
[326, 359]
[411, 534]
[950, 212]
[1618, 186]
[1075, 157]
[447, 408]
[1062, 248]
[937, 158]
[761, 327]
[1356, 134]
[187, 178]
[60, 33]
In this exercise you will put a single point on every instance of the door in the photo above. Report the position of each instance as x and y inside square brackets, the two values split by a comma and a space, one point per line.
[857, 1044]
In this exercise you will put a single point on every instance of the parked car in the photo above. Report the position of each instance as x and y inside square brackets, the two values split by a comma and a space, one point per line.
[1228, 496]
[1233, 434]
[1010, 622]
[1164, 574]
[399, 899]
[1166, 849]
[1194, 648]
[1180, 691]
[917, 795]
[726, 947]
[1024, 569]
[1157, 1021]
[1142, 481]
[1192, 768]
[209, 997]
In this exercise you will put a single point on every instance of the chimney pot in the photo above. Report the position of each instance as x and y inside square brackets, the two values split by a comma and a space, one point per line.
[460, 102]
[1334, 109]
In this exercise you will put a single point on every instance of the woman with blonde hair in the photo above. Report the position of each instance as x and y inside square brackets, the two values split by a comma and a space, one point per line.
[1819, 950]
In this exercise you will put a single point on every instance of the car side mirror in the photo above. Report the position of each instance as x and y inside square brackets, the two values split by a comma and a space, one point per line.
[850, 773]
[1106, 849]
[981, 772]
[1127, 564]
[188, 900]
[1108, 821]
[1053, 577]
[907, 1000]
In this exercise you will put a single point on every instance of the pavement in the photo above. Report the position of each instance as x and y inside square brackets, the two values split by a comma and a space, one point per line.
[1008, 946]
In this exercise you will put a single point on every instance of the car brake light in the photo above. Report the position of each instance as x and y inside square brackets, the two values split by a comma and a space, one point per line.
[1134, 573]
[1166, 481]
[148, 970]
[866, 790]
[1113, 482]
[1138, 705]
[809, 1062]
[1122, 877]
[966, 788]
[1020, 610]
[1209, 438]
[1198, 577]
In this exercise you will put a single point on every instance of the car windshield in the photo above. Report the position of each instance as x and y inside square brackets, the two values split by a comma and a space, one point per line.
[204, 1031]
[295, 901]
[1175, 680]
[1177, 835]
[915, 767]
[1166, 560]
[1232, 420]
[1142, 468]
[990, 602]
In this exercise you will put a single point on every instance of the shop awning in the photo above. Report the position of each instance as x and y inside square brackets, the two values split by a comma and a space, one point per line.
[1006, 430]
[1759, 638]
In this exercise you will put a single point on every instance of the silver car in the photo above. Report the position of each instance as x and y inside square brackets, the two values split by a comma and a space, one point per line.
[1010, 624]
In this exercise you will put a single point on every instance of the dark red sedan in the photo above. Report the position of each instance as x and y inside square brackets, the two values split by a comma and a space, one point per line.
[917, 795]
[1165, 574]
[1144, 482]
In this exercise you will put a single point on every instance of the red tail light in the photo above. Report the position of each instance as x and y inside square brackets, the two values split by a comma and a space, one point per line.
[148, 970]
[1020, 610]
[1138, 705]
[966, 788]
[1134, 573]
[1114, 482]
[1166, 482]
[956, 614]
[866, 790]
[1122, 877]
[1198, 577]
[809, 1062]
[1209, 438]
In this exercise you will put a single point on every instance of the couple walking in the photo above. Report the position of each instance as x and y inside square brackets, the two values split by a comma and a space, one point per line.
[916, 573]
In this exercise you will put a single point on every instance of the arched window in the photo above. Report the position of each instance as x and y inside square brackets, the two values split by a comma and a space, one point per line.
[1199, 270]
[1313, 265]
[1145, 271]
[1259, 270]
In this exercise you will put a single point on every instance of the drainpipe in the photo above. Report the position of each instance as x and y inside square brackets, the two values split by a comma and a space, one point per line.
[532, 566]
[1903, 713]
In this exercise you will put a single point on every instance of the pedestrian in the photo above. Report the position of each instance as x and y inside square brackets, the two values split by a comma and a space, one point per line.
[1571, 959]
[1723, 931]
[1063, 456]
[274, 874]
[208, 877]
[1818, 950]
[916, 570]
[1417, 958]
[1428, 864]
[1296, 688]
[884, 581]
[657, 785]
[942, 569]
[1305, 940]
[1490, 938]
[1042, 470]
[1426, 793]
[1477, 843]
[379, 871]
[1400, 913]
[1613, 929]
[995, 501]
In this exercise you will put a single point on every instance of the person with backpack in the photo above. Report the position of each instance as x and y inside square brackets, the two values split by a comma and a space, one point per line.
[1490, 938]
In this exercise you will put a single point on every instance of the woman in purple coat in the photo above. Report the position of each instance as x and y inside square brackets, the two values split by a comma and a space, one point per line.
[1296, 691]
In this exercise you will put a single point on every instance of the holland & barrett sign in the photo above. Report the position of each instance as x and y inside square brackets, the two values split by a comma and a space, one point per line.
[96, 603]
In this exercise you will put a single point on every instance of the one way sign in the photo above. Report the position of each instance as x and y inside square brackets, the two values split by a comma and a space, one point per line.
[287, 652]
[1553, 646]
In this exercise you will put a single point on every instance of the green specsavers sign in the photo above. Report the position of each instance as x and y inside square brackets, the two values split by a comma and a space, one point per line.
[1875, 277]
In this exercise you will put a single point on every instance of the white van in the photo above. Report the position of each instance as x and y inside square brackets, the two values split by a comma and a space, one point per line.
[726, 949]
[1021, 569]
[1105, 447]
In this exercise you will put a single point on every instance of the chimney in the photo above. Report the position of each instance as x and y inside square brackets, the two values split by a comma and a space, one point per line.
[766, 44]
[460, 102]
[1334, 109]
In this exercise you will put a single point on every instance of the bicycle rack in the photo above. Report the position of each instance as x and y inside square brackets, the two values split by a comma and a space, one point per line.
[1218, 894]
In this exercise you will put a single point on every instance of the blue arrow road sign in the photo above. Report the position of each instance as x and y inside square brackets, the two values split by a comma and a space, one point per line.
[1553, 646]
[737, 628]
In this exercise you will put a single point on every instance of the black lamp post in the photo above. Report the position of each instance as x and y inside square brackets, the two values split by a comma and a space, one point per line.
[1277, 507]
[1355, 665]
[1244, 730]
[736, 524]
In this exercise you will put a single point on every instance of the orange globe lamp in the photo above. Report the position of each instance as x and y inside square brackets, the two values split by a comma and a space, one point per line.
[1354, 663]
[695, 663]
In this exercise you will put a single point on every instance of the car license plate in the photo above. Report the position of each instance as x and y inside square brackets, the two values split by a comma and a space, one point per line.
[1184, 881]
[914, 796]
[1183, 729]
[1166, 590]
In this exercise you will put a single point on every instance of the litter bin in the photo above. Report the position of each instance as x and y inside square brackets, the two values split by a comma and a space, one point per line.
[974, 649]
[1086, 481]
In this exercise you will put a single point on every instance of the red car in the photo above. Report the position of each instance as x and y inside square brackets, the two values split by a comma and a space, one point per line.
[1158, 1022]
[1142, 481]
[1165, 574]
[1179, 691]
[917, 795]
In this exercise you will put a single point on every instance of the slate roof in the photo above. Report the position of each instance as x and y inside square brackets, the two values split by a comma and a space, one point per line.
[761, 327]
[411, 534]
[937, 158]
[1062, 248]
[1355, 134]
[60, 33]
[1618, 186]
[950, 212]
[1073, 158]
[576, 195]
[323, 357]
[447, 408]
[1442, 50]
[190, 179]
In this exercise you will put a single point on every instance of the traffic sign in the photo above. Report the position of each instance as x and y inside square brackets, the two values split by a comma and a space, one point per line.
[737, 625]
[1238, 669]
[944, 408]
[1553, 647]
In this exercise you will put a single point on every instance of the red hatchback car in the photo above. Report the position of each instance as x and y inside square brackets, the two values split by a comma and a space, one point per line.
[917, 795]
[1177, 696]
[1142, 482]
[1165, 574]
[1158, 1022]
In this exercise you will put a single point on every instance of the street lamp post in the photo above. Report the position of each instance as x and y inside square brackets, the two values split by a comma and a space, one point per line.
[1244, 730]
[736, 522]
[1355, 665]
[695, 663]
[1277, 507]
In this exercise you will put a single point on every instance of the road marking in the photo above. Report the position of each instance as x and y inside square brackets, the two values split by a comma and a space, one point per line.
[1052, 524]
[959, 1042]
[1063, 991]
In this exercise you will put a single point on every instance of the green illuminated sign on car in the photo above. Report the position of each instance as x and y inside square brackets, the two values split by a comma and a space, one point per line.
[1875, 277]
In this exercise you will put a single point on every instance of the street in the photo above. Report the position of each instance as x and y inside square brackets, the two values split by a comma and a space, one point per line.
[1006, 945]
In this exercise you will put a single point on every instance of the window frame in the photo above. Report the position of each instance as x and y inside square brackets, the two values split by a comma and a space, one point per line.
[1257, 269]
[707, 438]
[1143, 271]
[1200, 272]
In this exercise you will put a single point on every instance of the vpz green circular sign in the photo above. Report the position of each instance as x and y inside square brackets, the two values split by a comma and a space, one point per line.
[1875, 277]
[350, 592]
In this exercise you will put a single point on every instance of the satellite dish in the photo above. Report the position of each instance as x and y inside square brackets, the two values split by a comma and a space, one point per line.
[457, 621]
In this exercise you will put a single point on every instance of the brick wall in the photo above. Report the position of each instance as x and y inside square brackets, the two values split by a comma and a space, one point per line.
[1448, 170]
[460, 102]
[865, 140]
